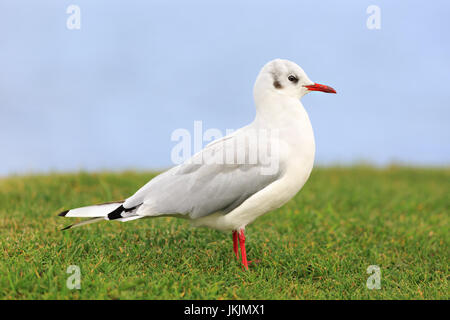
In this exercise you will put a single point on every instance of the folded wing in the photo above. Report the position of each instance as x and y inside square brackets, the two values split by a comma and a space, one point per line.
[217, 179]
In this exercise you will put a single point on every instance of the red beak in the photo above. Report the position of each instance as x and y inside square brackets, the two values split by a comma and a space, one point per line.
[320, 87]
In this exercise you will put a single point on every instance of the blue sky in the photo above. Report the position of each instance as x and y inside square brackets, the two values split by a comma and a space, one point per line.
[108, 96]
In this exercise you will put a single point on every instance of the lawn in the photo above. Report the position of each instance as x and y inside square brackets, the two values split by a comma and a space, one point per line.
[318, 246]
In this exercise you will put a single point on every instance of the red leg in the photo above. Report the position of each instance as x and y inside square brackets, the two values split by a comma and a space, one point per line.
[242, 245]
[235, 244]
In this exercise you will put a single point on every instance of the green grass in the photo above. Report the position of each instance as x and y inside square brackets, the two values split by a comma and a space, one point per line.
[318, 246]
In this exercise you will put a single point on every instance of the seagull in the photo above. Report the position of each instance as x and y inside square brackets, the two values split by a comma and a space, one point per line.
[237, 178]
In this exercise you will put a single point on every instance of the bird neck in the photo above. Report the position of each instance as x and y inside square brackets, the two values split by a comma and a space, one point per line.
[279, 110]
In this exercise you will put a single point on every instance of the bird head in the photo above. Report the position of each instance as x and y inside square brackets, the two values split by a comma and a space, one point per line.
[286, 78]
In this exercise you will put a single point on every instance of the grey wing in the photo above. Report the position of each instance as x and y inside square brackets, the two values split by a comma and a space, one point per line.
[204, 184]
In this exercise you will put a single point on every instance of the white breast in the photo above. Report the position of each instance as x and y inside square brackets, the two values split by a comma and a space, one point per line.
[297, 149]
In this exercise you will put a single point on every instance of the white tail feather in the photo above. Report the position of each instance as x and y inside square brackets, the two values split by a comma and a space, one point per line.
[84, 222]
[94, 211]
[97, 213]
[130, 218]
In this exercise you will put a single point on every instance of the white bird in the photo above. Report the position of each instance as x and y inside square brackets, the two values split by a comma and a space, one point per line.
[240, 177]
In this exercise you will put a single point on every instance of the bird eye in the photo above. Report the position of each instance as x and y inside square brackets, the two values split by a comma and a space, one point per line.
[292, 78]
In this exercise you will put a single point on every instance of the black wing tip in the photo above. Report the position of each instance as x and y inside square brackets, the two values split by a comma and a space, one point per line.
[63, 214]
[116, 214]
[68, 227]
